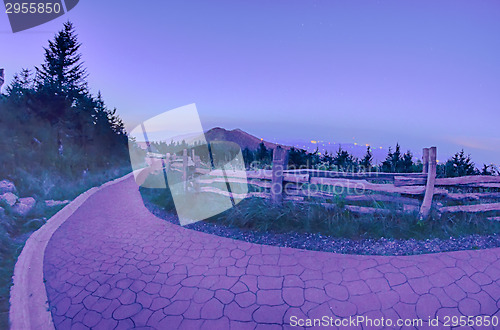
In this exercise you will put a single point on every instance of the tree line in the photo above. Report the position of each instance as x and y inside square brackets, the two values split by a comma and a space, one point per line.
[52, 124]
[460, 164]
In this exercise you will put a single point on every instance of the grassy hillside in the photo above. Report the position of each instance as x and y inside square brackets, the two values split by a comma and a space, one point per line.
[56, 141]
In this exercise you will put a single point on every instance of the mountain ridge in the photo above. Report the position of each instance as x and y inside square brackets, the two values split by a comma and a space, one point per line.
[240, 137]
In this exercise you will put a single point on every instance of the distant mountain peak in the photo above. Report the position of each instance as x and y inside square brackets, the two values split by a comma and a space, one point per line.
[238, 136]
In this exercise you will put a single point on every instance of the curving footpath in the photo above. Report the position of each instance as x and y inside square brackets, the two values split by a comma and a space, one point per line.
[112, 264]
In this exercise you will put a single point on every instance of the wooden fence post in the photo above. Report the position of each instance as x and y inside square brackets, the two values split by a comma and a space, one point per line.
[280, 162]
[167, 162]
[196, 162]
[184, 168]
[429, 188]
[425, 160]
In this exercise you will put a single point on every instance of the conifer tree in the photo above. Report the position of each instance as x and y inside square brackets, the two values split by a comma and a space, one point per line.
[460, 165]
[263, 154]
[344, 160]
[487, 170]
[62, 72]
[392, 162]
[406, 163]
[21, 84]
[367, 160]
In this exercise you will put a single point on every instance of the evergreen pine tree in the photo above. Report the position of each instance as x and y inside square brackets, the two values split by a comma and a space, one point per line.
[486, 170]
[344, 160]
[367, 160]
[248, 156]
[263, 154]
[395, 162]
[297, 157]
[407, 163]
[460, 165]
[62, 72]
[21, 85]
[387, 164]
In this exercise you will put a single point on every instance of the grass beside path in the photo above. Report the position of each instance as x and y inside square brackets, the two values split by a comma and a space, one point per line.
[14, 231]
[261, 215]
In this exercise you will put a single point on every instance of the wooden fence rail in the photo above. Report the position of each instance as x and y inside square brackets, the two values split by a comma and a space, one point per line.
[412, 192]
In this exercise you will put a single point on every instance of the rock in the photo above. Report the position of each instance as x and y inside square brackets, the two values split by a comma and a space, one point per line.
[8, 198]
[34, 224]
[5, 221]
[7, 186]
[24, 206]
[53, 203]
[30, 201]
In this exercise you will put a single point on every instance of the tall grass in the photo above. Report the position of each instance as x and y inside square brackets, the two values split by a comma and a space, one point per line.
[262, 215]
[14, 230]
[49, 184]
[8, 254]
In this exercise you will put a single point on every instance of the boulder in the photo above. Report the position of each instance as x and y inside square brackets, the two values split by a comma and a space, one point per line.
[24, 206]
[34, 224]
[8, 198]
[5, 221]
[7, 186]
[53, 203]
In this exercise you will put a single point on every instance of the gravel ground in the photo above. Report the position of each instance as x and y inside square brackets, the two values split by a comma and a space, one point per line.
[319, 242]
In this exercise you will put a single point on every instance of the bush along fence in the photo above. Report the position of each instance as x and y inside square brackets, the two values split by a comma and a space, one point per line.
[362, 192]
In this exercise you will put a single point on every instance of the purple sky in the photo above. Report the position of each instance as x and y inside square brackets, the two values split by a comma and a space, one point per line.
[370, 72]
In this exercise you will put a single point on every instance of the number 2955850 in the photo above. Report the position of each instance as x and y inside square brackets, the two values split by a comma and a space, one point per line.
[32, 8]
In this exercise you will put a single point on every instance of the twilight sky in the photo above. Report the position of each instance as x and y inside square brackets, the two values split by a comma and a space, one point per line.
[372, 72]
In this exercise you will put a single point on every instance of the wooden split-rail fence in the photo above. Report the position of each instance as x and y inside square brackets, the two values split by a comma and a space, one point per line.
[417, 193]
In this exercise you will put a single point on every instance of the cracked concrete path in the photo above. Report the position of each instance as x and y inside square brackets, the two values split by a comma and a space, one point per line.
[113, 264]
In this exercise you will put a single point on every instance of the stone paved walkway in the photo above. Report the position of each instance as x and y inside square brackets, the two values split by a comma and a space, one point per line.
[114, 265]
